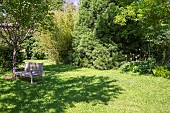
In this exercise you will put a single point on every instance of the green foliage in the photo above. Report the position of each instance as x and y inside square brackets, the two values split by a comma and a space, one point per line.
[38, 54]
[93, 45]
[90, 53]
[141, 66]
[55, 36]
[126, 24]
[26, 12]
[56, 4]
[160, 71]
[32, 49]
[19, 19]
[104, 57]
[105, 29]
[146, 24]
[6, 58]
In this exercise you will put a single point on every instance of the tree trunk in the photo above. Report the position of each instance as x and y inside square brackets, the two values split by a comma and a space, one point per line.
[14, 61]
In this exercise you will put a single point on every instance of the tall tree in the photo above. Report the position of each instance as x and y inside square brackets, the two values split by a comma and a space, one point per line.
[152, 19]
[92, 46]
[56, 38]
[131, 24]
[18, 20]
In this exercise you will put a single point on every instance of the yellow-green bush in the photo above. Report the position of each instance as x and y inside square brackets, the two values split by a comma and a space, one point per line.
[160, 71]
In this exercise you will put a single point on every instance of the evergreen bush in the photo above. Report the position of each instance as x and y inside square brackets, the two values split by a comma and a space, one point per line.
[92, 44]
[90, 52]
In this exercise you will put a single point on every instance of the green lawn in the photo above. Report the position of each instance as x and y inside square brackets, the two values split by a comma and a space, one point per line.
[80, 90]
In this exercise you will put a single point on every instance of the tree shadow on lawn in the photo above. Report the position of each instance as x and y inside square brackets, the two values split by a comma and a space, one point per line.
[56, 94]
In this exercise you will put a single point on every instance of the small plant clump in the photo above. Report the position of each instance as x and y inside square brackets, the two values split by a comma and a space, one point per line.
[139, 62]
[160, 71]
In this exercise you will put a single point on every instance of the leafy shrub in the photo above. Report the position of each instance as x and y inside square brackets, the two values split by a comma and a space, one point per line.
[142, 66]
[33, 50]
[88, 51]
[37, 52]
[147, 65]
[127, 67]
[160, 71]
[102, 58]
[6, 58]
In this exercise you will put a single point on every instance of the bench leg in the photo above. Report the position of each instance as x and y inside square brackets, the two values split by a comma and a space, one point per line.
[32, 80]
[15, 76]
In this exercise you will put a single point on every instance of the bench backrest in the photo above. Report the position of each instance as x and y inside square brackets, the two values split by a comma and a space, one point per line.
[34, 66]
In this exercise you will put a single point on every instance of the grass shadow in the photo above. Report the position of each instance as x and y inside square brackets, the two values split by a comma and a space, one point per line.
[56, 94]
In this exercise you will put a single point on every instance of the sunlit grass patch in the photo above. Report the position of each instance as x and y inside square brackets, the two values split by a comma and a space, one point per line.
[82, 90]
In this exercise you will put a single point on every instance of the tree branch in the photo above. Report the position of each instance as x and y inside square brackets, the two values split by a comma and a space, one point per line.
[24, 38]
[6, 29]
[7, 41]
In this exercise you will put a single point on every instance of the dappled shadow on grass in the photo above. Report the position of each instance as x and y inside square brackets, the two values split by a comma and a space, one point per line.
[56, 94]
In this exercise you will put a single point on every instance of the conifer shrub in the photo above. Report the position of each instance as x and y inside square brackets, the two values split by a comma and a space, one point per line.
[94, 35]
[89, 51]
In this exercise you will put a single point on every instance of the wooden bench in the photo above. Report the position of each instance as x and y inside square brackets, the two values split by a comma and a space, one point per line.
[31, 70]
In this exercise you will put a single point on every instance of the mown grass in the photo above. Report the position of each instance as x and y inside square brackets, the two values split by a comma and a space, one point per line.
[80, 90]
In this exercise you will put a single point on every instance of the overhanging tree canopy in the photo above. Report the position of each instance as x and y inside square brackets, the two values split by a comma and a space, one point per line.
[19, 19]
